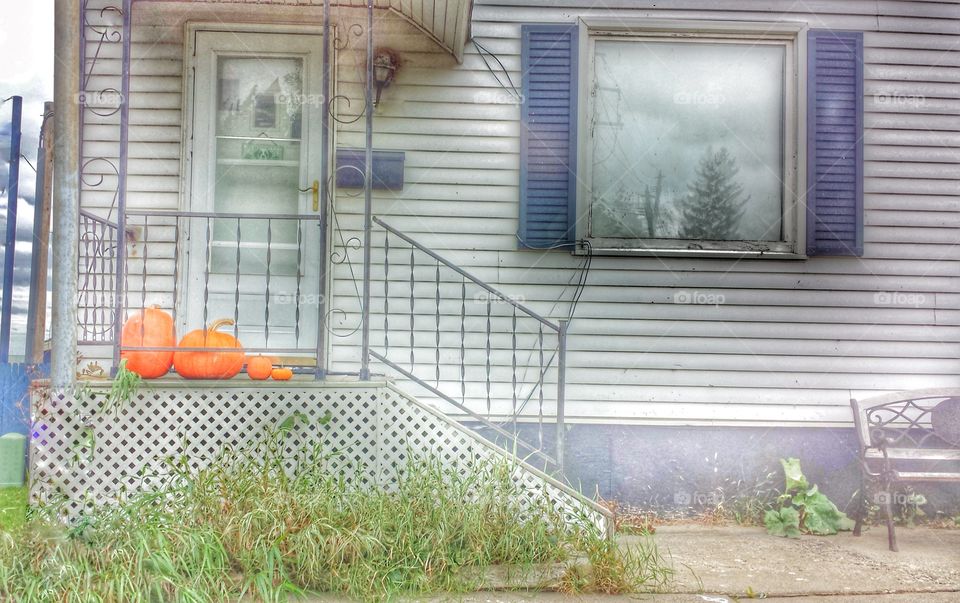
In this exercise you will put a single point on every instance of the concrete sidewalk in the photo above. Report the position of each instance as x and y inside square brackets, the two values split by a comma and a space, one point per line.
[735, 561]
[950, 597]
[724, 564]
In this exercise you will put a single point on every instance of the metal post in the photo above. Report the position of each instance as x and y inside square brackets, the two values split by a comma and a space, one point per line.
[367, 201]
[66, 90]
[561, 389]
[121, 267]
[321, 369]
[13, 191]
[37, 313]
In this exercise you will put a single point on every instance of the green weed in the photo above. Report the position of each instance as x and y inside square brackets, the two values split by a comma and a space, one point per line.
[266, 523]
[803, 508]
[13, 506]
[123, 388]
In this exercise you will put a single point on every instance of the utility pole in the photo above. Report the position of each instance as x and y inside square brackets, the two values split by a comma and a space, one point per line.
[13, 192]
[37, 314]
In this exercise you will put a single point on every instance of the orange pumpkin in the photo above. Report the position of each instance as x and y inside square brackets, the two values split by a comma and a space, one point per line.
[152, 328]
[259, 367]
[282, 374]
[212, 363]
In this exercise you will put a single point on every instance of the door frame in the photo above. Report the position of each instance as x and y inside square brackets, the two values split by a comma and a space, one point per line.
[191, 31]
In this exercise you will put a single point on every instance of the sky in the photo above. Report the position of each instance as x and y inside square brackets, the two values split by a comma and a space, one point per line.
[26, 43]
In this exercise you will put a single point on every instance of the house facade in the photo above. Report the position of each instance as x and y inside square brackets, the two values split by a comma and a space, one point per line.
[706, 226]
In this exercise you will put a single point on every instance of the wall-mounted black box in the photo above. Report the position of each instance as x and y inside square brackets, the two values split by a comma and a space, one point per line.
[387, 169]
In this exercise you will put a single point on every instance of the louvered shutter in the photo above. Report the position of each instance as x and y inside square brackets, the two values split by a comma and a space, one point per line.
[548, 135]
[835, 143]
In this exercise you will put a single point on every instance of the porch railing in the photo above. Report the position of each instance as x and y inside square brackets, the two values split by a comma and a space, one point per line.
[248, 267]
[496, 361]
[97, 282]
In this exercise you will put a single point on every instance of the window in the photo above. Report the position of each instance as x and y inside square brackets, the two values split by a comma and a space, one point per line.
[810, 109]
[689, 139]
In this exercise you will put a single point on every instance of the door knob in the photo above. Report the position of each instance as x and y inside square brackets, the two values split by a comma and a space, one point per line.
[315, 189]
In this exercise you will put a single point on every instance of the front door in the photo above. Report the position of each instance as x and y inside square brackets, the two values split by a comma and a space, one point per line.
[254, 220]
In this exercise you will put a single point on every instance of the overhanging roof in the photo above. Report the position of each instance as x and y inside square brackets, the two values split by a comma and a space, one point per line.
[446, 22]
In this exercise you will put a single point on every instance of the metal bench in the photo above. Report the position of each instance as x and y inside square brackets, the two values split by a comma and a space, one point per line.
[911, 436]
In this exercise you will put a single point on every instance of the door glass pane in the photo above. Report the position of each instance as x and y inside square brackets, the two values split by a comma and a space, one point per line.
[258, 136]
[687, 140]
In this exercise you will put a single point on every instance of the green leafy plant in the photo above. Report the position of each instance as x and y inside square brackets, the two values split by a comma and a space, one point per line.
[783, 522]
[803, 508]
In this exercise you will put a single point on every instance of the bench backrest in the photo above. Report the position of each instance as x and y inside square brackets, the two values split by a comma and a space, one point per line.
[901, 420]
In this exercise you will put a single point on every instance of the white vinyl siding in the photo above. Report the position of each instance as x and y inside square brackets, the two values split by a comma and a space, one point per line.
[793, 341]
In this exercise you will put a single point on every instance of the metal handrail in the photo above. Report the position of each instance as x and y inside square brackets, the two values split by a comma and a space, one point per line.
[461, 407]
[92, 216]
[223, 215]
[467, 275]
[519, 311]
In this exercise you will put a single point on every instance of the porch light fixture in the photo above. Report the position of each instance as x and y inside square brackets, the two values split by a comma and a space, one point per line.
[385, 65]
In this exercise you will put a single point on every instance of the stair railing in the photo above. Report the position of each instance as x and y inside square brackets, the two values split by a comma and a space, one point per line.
[97, 278]
[499, 363]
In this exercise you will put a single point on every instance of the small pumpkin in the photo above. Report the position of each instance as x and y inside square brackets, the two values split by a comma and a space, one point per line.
[211, 363]
[152, 328]
[259, 367]
[282, 374]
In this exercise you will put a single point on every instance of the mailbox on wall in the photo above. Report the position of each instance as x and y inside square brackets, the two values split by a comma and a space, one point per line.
[387, 169]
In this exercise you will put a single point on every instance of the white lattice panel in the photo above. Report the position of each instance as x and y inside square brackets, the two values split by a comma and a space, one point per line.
[411, 425]
[86, 454]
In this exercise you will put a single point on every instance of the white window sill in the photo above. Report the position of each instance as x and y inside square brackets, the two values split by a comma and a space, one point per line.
[600, 250]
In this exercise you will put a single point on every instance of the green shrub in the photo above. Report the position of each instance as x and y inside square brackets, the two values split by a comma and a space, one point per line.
[803, 508]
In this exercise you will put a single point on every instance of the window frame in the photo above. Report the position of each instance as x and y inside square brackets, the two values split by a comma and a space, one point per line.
[793, 36]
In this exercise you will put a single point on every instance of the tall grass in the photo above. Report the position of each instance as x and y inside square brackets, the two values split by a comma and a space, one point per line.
[249, 526]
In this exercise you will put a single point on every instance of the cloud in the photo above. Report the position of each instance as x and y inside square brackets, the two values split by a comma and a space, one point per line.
[27, 42]
[661, 105]
[23, 253]
[29, 76]
[25, 214]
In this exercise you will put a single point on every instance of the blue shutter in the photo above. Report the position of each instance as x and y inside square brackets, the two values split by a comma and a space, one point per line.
[835, 143]
[548, 135]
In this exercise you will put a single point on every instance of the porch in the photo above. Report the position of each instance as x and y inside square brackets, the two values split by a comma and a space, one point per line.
[300, 277]
[440, 332]
[84, 452]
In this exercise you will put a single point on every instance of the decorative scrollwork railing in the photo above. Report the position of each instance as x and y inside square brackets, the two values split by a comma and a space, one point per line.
[97, 282]
[104, 37]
